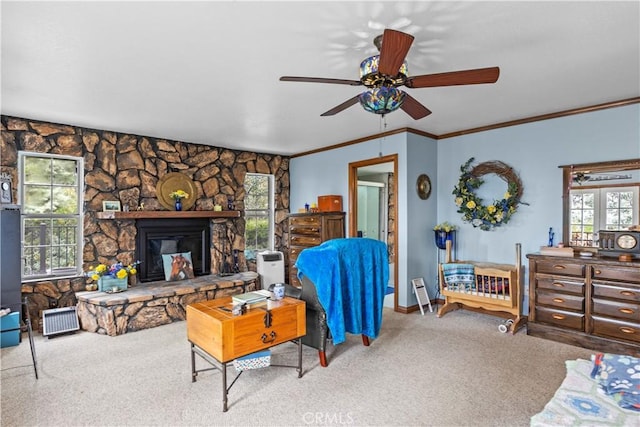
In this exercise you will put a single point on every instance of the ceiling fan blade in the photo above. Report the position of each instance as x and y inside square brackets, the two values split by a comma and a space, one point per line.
[453, 78]
[320, 80]
[412, 107]
[343, 106]
[395, 46]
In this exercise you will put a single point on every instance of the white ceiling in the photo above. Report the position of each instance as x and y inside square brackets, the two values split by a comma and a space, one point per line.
[207, 72]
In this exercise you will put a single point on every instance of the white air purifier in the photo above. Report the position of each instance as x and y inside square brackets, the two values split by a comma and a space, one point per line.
[270, 265]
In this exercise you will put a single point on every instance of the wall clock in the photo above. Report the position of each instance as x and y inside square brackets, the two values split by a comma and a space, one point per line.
[423, 186]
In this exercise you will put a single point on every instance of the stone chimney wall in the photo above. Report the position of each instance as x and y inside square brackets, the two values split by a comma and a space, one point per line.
[127, 168]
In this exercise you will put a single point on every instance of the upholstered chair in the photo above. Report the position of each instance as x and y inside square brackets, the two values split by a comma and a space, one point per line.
[317, 329]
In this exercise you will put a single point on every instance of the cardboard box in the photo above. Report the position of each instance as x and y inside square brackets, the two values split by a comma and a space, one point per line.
[330, 203]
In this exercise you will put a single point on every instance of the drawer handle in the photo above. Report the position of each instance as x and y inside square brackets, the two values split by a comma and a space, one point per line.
[626, 310]
[597, 272]
[559, 267]
[627, 293]
[559, 316]
[558, 284]
[560, 300]
[627, 330]
[272, 335]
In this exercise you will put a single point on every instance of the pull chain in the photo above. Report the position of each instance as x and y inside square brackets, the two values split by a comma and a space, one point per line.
[383, 122]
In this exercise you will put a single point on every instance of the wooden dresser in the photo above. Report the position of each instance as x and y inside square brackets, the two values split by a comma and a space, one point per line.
[588, 302]
[311, 229]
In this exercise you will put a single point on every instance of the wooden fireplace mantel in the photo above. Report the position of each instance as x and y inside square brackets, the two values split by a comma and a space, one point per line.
[168, 214]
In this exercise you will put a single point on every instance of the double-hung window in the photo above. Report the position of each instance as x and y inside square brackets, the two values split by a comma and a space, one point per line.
[258, 213]
[594, 209]
[52, 226]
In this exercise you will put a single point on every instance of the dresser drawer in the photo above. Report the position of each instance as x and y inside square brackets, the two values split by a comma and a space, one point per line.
[560, 267]
[627, 331]
[301, 240]
[564, 319]
[312, 220]
[617, 291]
[560, 284]
[305, 229]
[617, 309]
[616, 273]
[294, 251]
[562, 301]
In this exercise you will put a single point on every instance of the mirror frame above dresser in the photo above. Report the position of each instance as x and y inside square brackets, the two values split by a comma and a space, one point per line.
[568, 172]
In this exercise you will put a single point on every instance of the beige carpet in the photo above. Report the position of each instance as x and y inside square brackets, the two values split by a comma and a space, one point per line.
[454, 371]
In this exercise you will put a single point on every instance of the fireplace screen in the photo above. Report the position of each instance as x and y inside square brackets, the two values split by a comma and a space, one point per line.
[157, 237]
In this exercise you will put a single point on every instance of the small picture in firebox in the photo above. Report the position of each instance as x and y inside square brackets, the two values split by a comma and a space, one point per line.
[177, 266]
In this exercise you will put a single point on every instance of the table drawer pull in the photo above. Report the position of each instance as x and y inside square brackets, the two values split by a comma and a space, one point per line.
[627, 293]
[626, 330]
[558, 300]
[626, 310]
[559, 267]
[597, 272]
[558, 316]
[265, 339]
[558, 284]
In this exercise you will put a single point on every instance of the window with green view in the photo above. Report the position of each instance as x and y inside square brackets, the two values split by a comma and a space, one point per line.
[51, 199]
[595, 209]
[258, 213]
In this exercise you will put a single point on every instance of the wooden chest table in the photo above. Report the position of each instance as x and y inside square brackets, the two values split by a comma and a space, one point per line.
[219, 337]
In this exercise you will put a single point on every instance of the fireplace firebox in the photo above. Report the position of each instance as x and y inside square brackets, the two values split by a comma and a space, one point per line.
[156, 237]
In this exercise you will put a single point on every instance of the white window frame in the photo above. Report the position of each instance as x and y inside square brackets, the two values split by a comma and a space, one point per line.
[270, 209]
[78, 216]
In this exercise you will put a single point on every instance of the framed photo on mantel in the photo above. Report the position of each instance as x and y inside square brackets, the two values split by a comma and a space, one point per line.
[111, 206]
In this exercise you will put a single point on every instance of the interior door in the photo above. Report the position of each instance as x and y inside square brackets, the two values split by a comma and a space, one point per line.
[373, 170]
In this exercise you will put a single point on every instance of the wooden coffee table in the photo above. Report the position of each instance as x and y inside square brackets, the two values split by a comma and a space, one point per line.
[219, 337]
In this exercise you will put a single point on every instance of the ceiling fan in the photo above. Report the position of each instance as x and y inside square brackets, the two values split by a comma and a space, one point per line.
[382, 74]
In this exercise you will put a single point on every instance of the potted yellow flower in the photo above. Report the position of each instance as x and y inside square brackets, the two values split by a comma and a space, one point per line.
[112, 278]
[177, 196]
[443, 232]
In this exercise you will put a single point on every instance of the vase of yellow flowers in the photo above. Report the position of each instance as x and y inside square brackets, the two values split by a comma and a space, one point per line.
[113, 278]
[177, 196]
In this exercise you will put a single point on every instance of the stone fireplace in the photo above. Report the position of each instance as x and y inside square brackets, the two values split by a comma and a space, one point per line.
[156, 237]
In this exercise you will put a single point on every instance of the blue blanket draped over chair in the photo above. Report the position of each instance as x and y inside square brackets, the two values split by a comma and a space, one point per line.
[351, 277]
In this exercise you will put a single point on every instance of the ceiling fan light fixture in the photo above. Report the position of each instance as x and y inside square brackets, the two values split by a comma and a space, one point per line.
[370, 77]
[382, 100]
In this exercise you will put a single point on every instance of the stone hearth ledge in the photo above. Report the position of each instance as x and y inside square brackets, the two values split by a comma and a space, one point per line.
[147, 305]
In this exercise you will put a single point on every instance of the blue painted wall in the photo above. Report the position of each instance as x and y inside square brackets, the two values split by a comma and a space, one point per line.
[534, 150]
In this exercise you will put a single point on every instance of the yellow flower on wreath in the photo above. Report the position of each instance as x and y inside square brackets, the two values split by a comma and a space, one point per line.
[471, 204]
[491, 209]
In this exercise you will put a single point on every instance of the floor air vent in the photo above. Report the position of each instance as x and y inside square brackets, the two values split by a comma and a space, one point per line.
[59, 321]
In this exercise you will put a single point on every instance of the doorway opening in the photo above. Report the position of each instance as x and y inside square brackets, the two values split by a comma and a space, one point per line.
[373, 209]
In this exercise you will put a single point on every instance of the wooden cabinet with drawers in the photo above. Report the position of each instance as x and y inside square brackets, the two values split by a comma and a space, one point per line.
[589, 302]
[311, 229]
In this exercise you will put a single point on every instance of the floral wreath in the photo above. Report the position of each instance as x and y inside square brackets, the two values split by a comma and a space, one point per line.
[470, 205]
